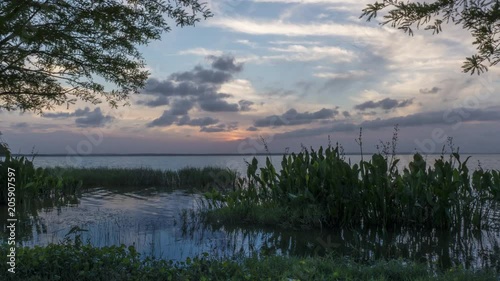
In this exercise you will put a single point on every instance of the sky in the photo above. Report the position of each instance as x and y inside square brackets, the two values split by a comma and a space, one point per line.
[290, 74]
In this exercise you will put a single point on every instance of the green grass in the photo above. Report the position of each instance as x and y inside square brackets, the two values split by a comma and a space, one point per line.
[196, 178]
[61, 183]
[74, 261]
[32, 183]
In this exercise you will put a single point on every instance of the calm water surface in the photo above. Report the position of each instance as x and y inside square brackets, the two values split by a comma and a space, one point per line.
[157, 223]
[487, 161]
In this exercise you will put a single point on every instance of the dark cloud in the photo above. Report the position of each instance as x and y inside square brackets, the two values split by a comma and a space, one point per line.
[172, 88]
[385, 104]
[166, 119]
[216, 103]
[77, 113]
[346, 114]
[202, 122]
[200, 86]
[220, 128]
[181, 107]
[245, 105]
[446, 117]
[433, 90]
[200, 75]
[92, 119]
[86, 118]
[226, 63]
[252, 129]
[292, 117]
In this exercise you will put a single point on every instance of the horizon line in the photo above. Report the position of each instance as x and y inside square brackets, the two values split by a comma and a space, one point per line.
[219, 154]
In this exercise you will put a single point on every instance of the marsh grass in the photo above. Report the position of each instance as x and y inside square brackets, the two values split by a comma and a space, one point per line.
[320, 189]
[35, 183]
[189, 178]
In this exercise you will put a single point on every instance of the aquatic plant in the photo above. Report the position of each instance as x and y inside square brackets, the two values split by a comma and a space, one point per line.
[319, 188]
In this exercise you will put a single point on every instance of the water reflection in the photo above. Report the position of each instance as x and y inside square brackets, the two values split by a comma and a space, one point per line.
[160, 223]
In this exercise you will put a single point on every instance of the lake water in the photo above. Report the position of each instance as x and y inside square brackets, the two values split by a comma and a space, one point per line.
[154, 222]
[159, 223]
[487, 161]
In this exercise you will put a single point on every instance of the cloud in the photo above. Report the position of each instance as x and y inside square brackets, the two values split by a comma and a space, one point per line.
[346, 114]
[288, 42]
[216, 103]
[433, 90]
[276, 27]
[171, 88]
[340, 127]
[226, 63]
[205, 121]
[156, 102]
[198, 87]
[93, 119]
[343, 75]
[181, 107]
[246, 42]
[385, 104]
[313, 53]
[245, 105]
[86, 118]
[169, 119]
[292, 117]
[220, 128]
[77, 113]
[200, 75]
[201, 52]
[252, 129]
[166, 119]
[443, 117]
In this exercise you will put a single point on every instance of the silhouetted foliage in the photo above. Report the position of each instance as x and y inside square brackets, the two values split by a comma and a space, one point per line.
[480, 17]
[58, 51]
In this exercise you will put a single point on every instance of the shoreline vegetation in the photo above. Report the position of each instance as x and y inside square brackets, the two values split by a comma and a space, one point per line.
[59, 183]
[320, 189]
[77, 261]
[311, 189]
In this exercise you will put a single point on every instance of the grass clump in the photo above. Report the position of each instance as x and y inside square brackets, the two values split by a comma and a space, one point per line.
[32, 183]
[319, 188]
[196, 178]
[74, 261]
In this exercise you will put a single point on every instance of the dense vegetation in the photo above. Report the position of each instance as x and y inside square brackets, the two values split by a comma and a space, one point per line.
[61, 183]
[311, 189]
[74, 261]
[35, 183]
[319, 188]
[195, 178]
